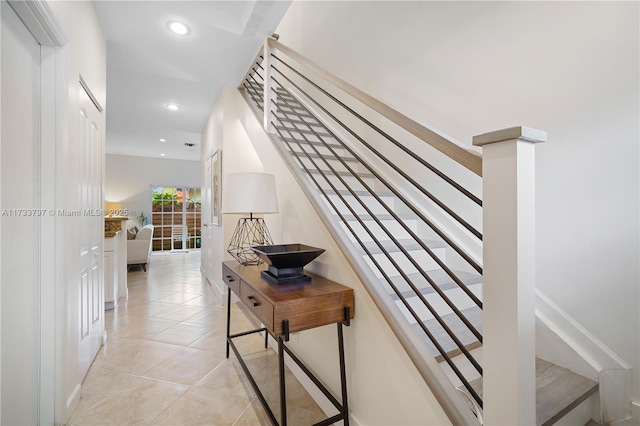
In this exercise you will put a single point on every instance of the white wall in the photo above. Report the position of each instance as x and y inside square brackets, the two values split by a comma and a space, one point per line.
[223, 133]
[384, 387]
[569, 68]
[212, 242]
[85, 56]
[128, 180]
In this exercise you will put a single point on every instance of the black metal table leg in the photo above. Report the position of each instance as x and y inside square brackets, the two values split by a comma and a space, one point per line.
[283, 393]
[228, 318]
[343, 377]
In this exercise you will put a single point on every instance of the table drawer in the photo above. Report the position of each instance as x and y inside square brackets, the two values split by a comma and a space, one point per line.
[231, 279]
[257, 304]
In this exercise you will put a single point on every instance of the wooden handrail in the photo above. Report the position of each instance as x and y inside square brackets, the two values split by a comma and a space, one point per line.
[467, 158]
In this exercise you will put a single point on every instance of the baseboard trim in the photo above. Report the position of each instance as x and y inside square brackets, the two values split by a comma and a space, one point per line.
[583, 342]
[613, 374]
[73, 400]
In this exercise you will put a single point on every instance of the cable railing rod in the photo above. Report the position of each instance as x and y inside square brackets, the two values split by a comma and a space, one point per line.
[251, 94]
[469, 159]
[259, 84]
[302, 122]
[415, 156]
[255, 72]
[383, 250]
[259, 63]
[424, 246]
[255, 61]
[308, 132]
[296, 112]
[440, 204]
[257, 92]
[443, 353]
[437, 230]
[395, 241]
[258, 87]
[397, 169]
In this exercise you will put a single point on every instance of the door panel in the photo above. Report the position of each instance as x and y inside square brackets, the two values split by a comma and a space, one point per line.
[91, 232]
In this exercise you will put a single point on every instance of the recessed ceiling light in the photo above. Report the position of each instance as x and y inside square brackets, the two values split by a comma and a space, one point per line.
[163, 140]
[178, 27]
[173, 107]
[162, 155]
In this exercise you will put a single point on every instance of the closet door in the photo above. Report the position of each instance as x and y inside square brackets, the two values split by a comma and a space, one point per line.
[91, 232]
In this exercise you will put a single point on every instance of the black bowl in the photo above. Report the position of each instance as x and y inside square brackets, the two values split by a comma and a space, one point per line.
[286, 261]
[287, 255]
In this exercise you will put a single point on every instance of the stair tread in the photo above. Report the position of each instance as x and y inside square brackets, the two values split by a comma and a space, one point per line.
[558, 391]
[439, 276]
[360, 192]
[298, 114]
[307, 132]
[292, 105]
[362, 175]
[408, 244]
[330, 158]
[283, 120]
[366, 217]
[466, 337]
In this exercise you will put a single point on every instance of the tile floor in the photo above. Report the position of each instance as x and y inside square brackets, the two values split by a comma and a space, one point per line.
[164, 361]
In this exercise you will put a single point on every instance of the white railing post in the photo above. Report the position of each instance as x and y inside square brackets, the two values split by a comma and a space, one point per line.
[509, 380]
[269, 94]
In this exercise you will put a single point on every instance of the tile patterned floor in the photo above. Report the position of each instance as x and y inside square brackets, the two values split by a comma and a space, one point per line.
[164, 360]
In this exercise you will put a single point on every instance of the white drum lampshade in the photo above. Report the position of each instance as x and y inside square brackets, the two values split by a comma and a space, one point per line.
[249, 193]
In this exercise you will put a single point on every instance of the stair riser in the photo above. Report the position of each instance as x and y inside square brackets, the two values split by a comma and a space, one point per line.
[368, 200]
[421, 257]
[391, 225]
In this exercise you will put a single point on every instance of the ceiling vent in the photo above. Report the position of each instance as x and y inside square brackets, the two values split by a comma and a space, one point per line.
[189, 145]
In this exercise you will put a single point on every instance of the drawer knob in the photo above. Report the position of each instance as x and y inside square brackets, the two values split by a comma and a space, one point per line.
[253, 301]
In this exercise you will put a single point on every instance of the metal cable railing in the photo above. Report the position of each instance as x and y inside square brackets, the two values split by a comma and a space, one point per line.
[314, 146]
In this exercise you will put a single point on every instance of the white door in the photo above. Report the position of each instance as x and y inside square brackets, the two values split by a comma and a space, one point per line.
[19, 222]
[91, 232]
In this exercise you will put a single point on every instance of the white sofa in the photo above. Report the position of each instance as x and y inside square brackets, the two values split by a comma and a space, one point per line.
[139, 249]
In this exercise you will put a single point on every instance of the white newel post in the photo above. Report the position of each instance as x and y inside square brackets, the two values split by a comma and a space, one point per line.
[269, 94]
[509, 380]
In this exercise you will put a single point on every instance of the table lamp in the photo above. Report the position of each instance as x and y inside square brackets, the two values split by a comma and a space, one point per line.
[249, 193]
[112, 208]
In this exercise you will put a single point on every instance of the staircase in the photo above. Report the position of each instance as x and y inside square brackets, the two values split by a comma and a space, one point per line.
[431, 280]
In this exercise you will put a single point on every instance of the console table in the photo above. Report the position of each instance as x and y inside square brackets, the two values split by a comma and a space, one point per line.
[285, 309]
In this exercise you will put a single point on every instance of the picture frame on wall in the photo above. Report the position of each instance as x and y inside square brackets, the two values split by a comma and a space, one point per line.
[216, 187]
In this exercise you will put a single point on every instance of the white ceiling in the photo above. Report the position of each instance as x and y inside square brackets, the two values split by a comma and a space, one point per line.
[149, 67]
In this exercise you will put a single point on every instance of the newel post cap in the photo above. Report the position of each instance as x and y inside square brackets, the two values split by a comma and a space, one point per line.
[522, 133]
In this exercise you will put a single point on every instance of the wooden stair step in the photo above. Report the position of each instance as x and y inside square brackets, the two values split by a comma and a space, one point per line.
[558, 391]
[439, 276]
[466, 337]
